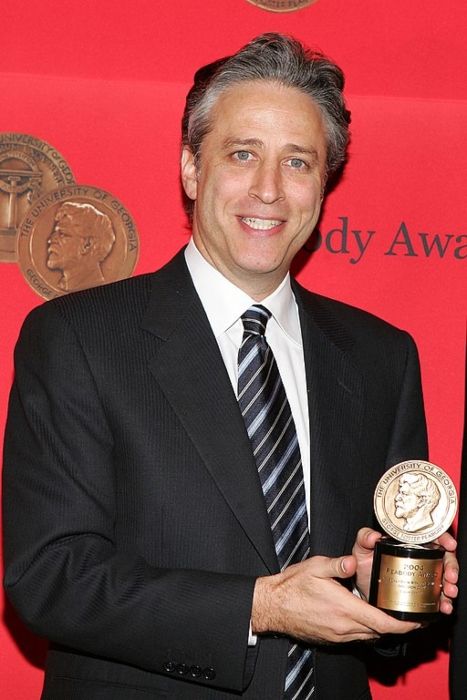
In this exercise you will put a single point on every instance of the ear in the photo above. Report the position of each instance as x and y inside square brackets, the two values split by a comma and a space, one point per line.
[188, 173]
[86, 245]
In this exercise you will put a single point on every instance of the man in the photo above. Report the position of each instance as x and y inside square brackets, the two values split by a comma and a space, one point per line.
[81, 240]
[156, 516]
[458, 658]
[415, 501]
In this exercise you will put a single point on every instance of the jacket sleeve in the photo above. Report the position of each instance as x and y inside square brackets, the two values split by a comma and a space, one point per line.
[408, 441]
[64, 573]
[409, 436]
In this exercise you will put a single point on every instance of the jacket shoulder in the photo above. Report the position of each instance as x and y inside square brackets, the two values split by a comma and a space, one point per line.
[328, 312]
[117, 303]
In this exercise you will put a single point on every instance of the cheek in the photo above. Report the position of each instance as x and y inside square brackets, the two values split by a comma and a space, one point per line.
[227, 184]
[72, 250]
[306, 197]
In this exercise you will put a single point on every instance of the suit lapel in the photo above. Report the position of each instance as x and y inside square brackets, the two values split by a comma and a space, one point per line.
[190, 371]
[335, 402]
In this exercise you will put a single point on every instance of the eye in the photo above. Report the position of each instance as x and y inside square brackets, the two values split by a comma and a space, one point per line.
[297, 164]
[242, 155]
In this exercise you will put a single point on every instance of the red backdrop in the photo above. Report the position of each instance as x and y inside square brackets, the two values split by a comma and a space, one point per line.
[104, 83]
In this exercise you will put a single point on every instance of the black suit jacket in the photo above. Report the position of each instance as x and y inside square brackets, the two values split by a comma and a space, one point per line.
[458, 658]
[135, 525]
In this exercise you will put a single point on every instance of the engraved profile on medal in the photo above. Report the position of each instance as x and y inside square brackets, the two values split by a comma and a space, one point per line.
[82, 238]
[415, 501]
[76, 237]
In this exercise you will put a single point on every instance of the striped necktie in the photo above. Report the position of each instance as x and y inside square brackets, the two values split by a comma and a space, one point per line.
[271, 429]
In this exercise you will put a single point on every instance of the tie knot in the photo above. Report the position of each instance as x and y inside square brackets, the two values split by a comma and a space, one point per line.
[255, 320]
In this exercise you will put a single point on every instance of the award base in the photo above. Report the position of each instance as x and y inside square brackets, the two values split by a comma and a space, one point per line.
[406, 579]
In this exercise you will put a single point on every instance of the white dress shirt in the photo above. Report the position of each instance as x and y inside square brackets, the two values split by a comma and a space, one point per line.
[224, 303]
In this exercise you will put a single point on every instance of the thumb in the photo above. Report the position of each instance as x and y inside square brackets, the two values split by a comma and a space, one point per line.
[345, 566]
[335, 567]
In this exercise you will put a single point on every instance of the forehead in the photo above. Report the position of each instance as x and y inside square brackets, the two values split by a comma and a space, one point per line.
[66, 217]
[253, 108]
[64, 213]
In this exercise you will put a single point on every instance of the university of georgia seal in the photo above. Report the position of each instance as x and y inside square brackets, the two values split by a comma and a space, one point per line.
[282, 5]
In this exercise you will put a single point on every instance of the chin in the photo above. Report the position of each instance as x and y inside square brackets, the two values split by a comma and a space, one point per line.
[259, 261]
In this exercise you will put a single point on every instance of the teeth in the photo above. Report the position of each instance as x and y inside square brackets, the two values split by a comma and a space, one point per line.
[261, 224]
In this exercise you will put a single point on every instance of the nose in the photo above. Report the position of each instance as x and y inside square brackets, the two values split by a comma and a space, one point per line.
[266, 185]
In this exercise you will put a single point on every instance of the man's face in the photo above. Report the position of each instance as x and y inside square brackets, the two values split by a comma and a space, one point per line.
[406, 501]
[65, 243]
[259, 186]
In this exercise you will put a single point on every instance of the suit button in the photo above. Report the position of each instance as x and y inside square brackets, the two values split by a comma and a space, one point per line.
[209, 673]
[182, 669]
[196, 671]
[169, 666]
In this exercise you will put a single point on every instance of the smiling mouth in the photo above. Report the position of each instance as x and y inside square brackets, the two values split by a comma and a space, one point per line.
[261, 224]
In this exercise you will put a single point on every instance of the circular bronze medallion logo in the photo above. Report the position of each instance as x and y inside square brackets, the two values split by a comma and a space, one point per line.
[415, 501]
[75, 237]
[282, 5]
[28, 168]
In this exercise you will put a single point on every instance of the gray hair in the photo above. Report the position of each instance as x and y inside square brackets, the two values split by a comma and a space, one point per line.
[93, 225]
[272, 57]
[423, 487]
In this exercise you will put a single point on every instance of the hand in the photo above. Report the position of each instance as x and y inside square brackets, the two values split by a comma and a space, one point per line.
[450, 573]
[306, 601]
[363, 551]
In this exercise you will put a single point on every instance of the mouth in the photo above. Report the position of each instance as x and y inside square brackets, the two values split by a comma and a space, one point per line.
[261, 224]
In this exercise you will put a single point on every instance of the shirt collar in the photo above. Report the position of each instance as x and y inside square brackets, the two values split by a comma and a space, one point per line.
[224, 302]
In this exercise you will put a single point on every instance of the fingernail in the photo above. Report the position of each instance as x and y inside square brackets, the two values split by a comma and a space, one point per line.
[343, 566]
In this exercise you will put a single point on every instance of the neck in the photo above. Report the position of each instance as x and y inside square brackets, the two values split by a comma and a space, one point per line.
[258, 285]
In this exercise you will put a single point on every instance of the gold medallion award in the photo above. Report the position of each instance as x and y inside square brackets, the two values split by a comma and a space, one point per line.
[28, 168]
[75, 237]
[282, 5]
[415, 502]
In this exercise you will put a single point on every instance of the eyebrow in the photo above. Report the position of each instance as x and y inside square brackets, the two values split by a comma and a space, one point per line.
[295, 148]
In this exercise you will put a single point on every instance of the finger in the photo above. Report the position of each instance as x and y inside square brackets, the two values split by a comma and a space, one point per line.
[390, 625]
[450, 578]
[450, 590]
[368, 619]
[450, 587]
[367, 538]
[348, 566]
[451, 568]
[334, 567]
[447, 541]
[357, 635]
[354, 619]
[446, 606]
